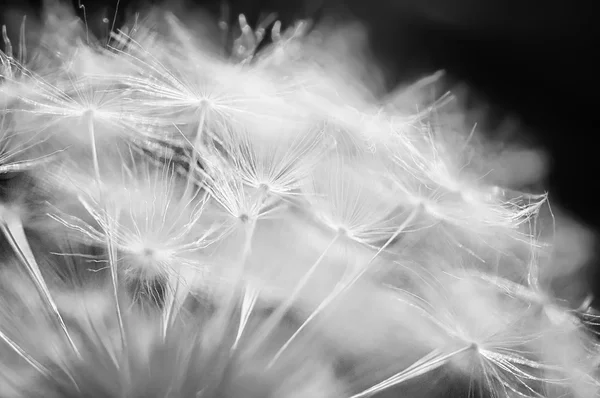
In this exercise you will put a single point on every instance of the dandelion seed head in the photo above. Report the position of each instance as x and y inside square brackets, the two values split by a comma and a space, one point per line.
[264, 224]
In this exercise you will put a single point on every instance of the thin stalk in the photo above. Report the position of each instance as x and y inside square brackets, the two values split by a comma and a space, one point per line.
[224, 350]
[112, 255]
[178, 294]
[15, 234]
[271, 323]
[250, 296]
[249, 300]
[195, 151]
[26, 357]
[174, 301]
[241, 269]
[338, 292]
[44, 371]
[425, 365]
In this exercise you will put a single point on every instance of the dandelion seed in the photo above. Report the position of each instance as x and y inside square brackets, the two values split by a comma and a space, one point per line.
[74, 100]
[346, 196]
[349, 210]
[353, 278]
[156, 231]
[243, 206]
[502, 340]
[459, 208]
[192, 89]
[240, 202]
[279, 162]
[562, 322]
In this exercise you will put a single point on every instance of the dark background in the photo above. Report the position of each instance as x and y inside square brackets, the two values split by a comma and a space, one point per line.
[530, 59]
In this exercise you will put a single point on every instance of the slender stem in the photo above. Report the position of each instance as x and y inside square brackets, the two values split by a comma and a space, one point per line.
[92, 132]
[13, 230]
[251, 296]
[176, 296]
[170, 306]
[241, 268]
[44, 371]
[23, 354]
[424, 365]
[112, 255]
[339, 291]
[224, 350]
[271, 323]
[195, 151]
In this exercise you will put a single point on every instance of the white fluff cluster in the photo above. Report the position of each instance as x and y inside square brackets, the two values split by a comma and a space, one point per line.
[176, 224]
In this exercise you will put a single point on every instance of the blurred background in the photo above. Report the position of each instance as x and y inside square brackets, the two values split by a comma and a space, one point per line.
[527, 61]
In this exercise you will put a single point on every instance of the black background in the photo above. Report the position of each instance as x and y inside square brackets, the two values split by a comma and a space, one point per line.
[532, 59]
